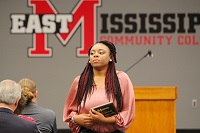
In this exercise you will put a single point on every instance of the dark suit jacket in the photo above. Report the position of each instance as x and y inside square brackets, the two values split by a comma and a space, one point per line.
[45, 118]
[10, 123]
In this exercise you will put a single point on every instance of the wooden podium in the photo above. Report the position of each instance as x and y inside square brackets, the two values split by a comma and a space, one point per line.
[155, 110]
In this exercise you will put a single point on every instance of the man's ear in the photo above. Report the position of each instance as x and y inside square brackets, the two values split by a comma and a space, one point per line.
[16, 103]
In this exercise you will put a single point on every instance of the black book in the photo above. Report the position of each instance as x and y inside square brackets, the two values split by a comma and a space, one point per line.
[107, 109]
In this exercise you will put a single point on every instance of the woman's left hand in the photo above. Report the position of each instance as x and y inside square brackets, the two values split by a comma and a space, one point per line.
[100, 118]
[96, 116]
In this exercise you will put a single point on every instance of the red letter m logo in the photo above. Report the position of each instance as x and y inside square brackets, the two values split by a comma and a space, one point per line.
[83, 14]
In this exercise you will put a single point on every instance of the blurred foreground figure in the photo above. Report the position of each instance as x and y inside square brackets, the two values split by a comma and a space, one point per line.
[10, 93]
[45, 118]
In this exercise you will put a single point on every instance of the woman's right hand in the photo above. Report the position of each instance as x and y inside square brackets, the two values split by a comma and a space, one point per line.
[84, 120]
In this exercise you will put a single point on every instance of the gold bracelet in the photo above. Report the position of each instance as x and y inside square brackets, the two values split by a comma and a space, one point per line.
[72, 119]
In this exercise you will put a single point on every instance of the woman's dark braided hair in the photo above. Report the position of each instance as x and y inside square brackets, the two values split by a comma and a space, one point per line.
[112, 85]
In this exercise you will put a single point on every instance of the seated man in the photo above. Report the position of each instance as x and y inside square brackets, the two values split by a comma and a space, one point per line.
[10, 93]
[45, 118]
